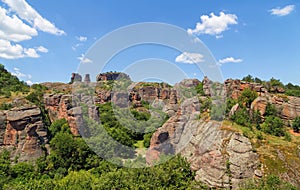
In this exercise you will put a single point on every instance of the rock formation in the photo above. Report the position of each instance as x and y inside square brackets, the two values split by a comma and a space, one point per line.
[112, 76]
[76, 78]
[87, 78]
[220, 158]
[60, 106]
[23, 132]
[234, 88]
[287, 106]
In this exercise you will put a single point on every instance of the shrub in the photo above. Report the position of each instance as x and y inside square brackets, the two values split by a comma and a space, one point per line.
[274, 126]
[247, 97]
[296, 124]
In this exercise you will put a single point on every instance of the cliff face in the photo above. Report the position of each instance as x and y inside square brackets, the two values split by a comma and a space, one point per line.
[60, 106]
[288, 106]
[23, 131]
[220, 158]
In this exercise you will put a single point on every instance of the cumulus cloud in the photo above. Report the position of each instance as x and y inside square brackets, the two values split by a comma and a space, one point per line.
[42, 49]
[8, 50]
[84, 59]
[230, 60]
[26, 12]
[29, 82]
[213, 24]
[20, 23]
[282, 11]
[81, 38]
[189, 58]
[22, 76]
[14, 29]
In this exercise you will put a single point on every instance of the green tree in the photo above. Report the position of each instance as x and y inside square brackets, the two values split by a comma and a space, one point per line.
[270, 110]
[248, 78]
[199, 89]
[273, 125]
[296, 124]
[247, 97]
[242, 117]
[10, 83]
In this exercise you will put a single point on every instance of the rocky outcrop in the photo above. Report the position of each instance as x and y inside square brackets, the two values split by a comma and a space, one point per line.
[234, 88]
[25, 131]
[112, 76]
[76, 78]
[87, 78]
[60, 106]
[220, 158]
[288, 107]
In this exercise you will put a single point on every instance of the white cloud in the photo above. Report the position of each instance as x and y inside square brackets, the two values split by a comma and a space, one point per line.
[42, 49]
[282, 11]
[30, 52]
[84, 59]
[81, 38]
[214, 25]
[26, 12]
[189, 58]
[29, 82]
[18, 23]
[14, 29]
[9, 50]
[20, 75]
[219, 36]
[230, 60]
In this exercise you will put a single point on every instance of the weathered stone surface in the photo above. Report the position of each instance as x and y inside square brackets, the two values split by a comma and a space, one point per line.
[87, 78]
[76, 77]
[212, 152]
[60, 106]
[2, 126]
[288, 107]
[112, 76]
[25, 131]
[234, 88]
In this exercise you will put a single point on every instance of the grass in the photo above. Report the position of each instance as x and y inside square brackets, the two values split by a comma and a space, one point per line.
[277, 155]
[139, 144]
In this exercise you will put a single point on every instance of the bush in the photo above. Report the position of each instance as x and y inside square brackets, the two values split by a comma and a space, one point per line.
[296, 124]
[22, 169]
[247, 97]
[269, 182]
[270, 110]
[274, 126]
[5, 106]
[242, 117]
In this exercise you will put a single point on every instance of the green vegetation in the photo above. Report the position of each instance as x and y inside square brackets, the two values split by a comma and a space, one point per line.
[247, 97]
[274, 126]
[266, 183]
[199, 89]
[296, 124]
[10, 83]
[36, 97]
[290, 89]
[72, 165]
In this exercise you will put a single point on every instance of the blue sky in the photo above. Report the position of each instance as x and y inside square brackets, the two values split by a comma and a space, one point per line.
[44, 40]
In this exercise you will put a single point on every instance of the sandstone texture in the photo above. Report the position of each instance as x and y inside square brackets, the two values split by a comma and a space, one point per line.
[220, 158]
[23, 131]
